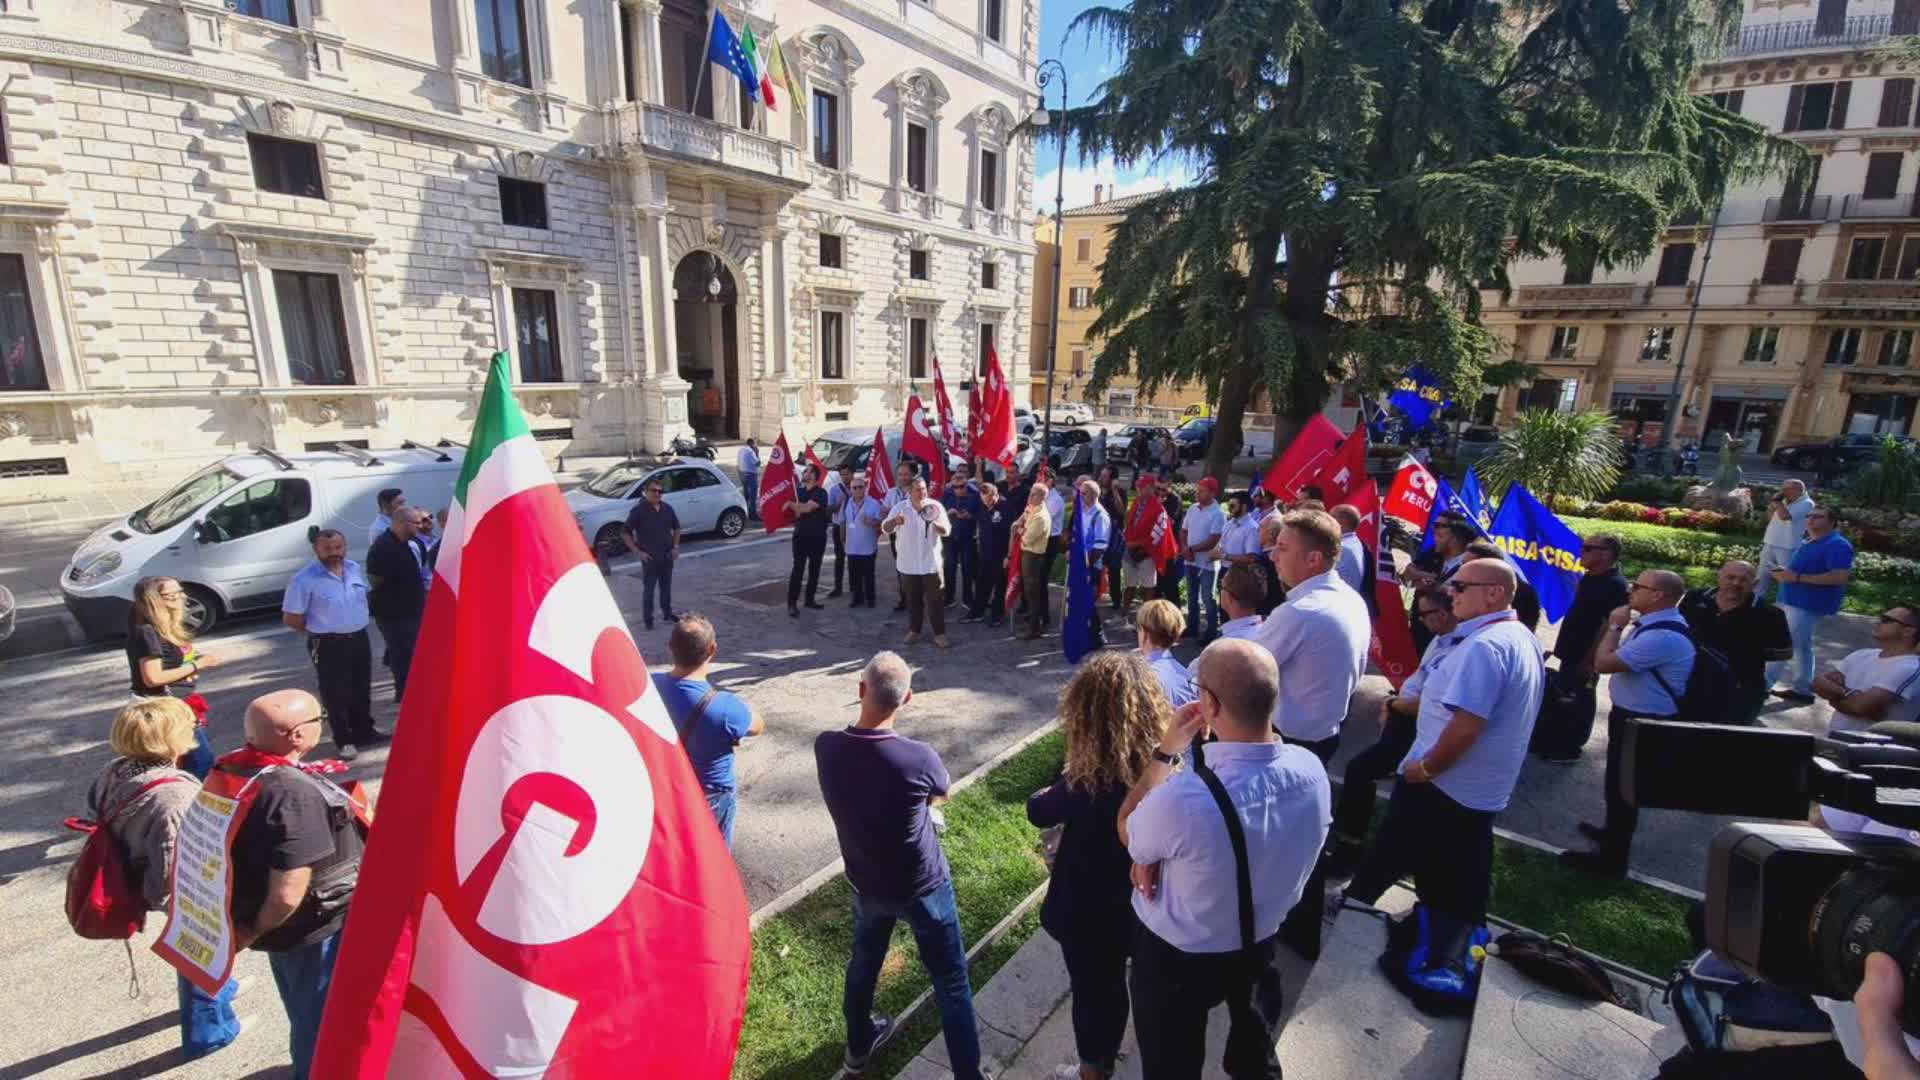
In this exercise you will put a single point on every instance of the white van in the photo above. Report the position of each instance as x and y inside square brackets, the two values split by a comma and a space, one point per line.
[234, 533]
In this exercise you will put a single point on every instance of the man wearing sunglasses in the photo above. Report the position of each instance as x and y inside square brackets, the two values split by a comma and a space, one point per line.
[1476, 714]
[1602, 589]
[653, 533]
[1650, 671]
[1878, 683]
[1812, 585]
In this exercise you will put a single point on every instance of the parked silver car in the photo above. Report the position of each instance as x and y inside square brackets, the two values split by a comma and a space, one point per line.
[700, 494]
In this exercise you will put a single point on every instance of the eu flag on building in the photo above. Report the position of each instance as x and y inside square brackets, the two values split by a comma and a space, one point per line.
[723, 48]
[1418, 397]
[1542, 547]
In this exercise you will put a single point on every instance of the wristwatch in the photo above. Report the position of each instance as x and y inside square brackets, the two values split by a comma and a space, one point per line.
[1163, 757]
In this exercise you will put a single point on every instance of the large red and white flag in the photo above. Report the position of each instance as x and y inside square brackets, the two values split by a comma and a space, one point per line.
[544, 891]
[995, 441]
[1412, 495]
[1392, 645]
[916, 439]
[949, 432]
[973, 418]
[879, 469]
[1345, 472]
[779, 485]
[1303, 460]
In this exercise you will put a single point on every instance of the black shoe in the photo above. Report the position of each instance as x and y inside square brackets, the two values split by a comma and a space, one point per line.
[996, 622]
[1343, 860]
[882, 1031]
[1794, 696]
[899, 607]
[816, 605]
[1595, 833]
[1598, 863]
[793, 612]
[373, 737]
[834, 595]
[971, 616]
[648, 623]
[671, 616]
[1561, 759]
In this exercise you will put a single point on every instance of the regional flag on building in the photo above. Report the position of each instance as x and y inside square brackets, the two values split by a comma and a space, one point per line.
[544, 892]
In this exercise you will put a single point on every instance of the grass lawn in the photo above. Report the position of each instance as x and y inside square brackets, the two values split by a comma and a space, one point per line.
[793, 1028]
[1627, 922]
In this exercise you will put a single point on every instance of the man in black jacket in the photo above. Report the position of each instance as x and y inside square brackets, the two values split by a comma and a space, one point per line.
[1602, 589]
[396, 592]
[1733, 618]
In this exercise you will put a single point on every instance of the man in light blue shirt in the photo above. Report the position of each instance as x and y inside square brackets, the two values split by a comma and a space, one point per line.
[1648, 668]
[327, 601]
[859, 518]
[1353, 554]
[1201, 531]
[388, 502]
[1319, 637]
[1194, 952]
[1477, 707]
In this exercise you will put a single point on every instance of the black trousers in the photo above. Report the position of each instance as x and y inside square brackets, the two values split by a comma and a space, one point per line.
[960, 561]
[1097, 971]
[1354, 814]
[1301, 929]
[839, 558]
[860, 568]
[807, 553]
[1172, 993]
[1622, 817]
[1116, 553]
[656, 573]
[1033, 587]
[399, 636]
[924, 602]
[343, 665]
[1447, 846]
[1046, 574]
[990, 586]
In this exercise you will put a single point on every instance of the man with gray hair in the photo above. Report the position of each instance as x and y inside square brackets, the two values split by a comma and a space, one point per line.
[1734, 618]
[1251, 810]
[879, 788]
[1786, 530]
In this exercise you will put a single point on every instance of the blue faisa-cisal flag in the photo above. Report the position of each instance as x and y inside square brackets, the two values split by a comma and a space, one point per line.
[1543, 548]
[1475, 500]
[1418, 397]
[1076, 626]
[1447, 501]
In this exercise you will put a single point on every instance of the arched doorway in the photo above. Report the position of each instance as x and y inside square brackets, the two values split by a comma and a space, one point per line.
[707, 343]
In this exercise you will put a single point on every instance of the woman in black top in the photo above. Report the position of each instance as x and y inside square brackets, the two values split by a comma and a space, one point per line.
[1112, 715]
[161, 657]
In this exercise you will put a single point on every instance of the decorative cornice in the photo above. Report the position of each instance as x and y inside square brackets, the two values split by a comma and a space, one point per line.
[289, 234]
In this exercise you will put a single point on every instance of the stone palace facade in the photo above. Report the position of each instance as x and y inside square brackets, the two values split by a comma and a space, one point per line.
[299, 222]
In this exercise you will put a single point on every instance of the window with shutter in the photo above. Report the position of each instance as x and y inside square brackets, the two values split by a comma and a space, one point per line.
[1883, 176]
[1863, 258]
[1830, 18]
[1837, 117]
[1896, 103]
[1908, 267]
[1796, 100]
[1906, 17]
[1676, 262]
[1082, 249]
[1783, 262]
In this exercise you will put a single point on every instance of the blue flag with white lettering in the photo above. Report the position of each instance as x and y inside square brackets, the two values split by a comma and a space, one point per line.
[1475, 501]
[1445, 501]
[1418, 397]
[1542, 547]
[1076, 627]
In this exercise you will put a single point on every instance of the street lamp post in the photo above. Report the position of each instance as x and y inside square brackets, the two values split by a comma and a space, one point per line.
[1665, 465]
[1051, 70]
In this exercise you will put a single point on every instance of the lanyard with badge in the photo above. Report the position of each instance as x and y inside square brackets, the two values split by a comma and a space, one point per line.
[1458, 640]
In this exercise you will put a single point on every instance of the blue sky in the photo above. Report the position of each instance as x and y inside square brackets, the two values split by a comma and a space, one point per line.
[1087, 63]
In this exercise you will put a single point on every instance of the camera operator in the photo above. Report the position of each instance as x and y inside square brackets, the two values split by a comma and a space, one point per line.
[1880, 683]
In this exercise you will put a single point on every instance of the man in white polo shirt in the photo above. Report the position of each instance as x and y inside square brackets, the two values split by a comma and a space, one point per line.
[1477, 708]
[1318, 638]
[1200, 534]
[1879, 683]
[1786, 530]
[918, 524]
[1204, 941]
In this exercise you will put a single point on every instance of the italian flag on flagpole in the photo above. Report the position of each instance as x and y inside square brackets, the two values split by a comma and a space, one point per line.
[544, 891]
[752, 49]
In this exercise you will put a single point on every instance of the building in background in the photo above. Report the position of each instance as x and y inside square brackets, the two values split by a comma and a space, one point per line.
[1809, 309]
[300, 222]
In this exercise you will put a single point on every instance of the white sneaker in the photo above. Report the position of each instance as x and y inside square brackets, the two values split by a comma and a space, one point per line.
[348, 752]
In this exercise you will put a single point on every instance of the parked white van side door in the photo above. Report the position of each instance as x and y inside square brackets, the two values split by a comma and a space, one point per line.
[248, 544]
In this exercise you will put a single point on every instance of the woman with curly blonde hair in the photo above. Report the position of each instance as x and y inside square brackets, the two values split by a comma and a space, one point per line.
[1112, 716]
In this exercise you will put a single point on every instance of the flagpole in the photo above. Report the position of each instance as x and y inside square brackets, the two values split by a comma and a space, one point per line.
[706, 63]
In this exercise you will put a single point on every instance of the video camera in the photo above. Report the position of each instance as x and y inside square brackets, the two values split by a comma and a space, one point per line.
[1791, 904]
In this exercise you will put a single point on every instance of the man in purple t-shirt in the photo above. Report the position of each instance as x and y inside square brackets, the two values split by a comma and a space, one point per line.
[880, 787]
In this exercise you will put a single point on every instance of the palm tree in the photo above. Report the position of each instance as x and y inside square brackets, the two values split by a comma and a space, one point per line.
[1556, 453]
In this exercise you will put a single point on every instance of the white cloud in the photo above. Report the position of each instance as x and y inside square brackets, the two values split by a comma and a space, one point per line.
[1081, 179]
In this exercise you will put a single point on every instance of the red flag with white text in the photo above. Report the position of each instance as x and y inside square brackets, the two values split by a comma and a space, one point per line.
[973, 418]
[1392, 646]
[1345, 472]
[1412, 495]
[879, 468]
[1305, 456]
[996, 439]
[916, 439]
[779, 486]
[948, 434]
[544, 891]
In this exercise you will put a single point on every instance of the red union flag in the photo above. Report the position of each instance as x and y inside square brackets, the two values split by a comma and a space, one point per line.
[995, 441]
[1412, 495]
[1392, 645]
[948, 435]
[879, 469]
[917, 440]
[1306, 455]
[1345, 472]
[544, 892]
[779, 485]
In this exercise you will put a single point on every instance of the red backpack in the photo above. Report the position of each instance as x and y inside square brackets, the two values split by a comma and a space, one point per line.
[101, 905]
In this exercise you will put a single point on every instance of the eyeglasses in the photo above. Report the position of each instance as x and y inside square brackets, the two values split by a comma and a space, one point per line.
[1899, 622]
[653, 491]
[1430, 613]
[289, 732]
[1463, 586]
[1634, 586]
[1595, 547]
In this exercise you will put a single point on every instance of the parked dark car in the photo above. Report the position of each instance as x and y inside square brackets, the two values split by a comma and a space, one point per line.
[1070, 450]
[1120, 443]
[1839, 454]
[1195, 438]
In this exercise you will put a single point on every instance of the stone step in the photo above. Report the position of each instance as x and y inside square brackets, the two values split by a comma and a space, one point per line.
[1352, 1022]
[1523, 1029]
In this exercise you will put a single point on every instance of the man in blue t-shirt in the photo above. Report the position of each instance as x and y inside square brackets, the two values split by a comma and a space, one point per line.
[1812, 585]
[879, 788]
[711, 722]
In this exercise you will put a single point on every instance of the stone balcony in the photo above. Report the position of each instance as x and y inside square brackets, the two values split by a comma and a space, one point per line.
[1870, 293]
[656, 129]
[1574, 295]
[1802, 35]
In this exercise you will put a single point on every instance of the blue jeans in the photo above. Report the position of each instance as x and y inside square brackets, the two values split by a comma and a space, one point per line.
[936, 929]
[1801, 624]
[724, 805]
[750, 487]
[303, 976]
[206, 1023]
[1203, 592]
[199, 760]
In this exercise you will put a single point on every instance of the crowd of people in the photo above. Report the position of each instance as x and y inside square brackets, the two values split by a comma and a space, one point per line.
[1198, 831]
